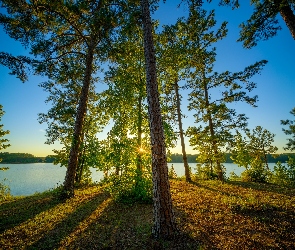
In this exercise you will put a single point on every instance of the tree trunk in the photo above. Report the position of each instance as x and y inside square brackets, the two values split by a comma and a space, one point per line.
[139, 133]
[265, 159]
[184, 157]
[76, 141]
[288, 16]
[164, 223]
[212, 134]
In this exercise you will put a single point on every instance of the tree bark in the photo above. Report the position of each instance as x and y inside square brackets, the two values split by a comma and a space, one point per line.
[212, 133]
[139, 133]
[184, 157]
[80, 116]
[164, 223]
[288, 16]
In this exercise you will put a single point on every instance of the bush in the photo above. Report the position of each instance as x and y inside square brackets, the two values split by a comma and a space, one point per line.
[131, 187]
[204, 172]
[171, 173]
[255, 174]
[4, 191]
[284, 175]
[234, 177]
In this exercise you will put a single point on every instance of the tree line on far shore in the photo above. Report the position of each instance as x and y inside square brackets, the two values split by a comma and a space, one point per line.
[192, 158]
[18, 158]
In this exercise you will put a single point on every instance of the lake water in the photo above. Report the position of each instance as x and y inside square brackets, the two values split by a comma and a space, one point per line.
[27, 179]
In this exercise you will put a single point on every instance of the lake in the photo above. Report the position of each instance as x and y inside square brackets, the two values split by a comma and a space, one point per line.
[27, 179]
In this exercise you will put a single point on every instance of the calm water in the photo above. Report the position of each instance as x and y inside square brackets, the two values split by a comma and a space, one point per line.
[27, 179]
[230, 167]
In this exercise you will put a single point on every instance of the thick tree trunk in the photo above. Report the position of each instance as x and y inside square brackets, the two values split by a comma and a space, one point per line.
[164, 223]
[288, 16]
[76, 141]
[184, 157]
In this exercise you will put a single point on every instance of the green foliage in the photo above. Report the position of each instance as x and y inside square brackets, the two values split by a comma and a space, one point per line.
[284, 174]
[3, 142]
[171, 173]
[130, 187]
[251, 152]
[4, 191]
[263, 23]
[255, 174]
[49, 158]
[233, 177]
[215, 119]
[240, 153]
[205, 172]
[20, 158]
[290, 131]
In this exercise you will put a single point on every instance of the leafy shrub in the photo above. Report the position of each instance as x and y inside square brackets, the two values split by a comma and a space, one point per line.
[205, 172]
[234, 177]
[171, 173]
[129, 187]
[255, 174]
[284, 175]
[4, 191]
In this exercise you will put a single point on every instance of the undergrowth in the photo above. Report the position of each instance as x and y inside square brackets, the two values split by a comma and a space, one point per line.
[209, 215]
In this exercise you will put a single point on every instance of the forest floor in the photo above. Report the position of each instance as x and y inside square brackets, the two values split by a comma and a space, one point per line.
[209, 215]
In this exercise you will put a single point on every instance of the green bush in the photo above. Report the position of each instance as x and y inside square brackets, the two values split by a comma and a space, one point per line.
[284, 175]
[234, 177]
[255, 174]
[205, 172]
[131, 187]
[171, 173]
[4, 191]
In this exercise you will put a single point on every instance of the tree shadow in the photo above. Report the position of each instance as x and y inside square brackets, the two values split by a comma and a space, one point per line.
[278, 222]
[222, 222]
[15, 212]
[75, 221]
[121, 226]
[213, 189]
[268, 187]
[90, 220]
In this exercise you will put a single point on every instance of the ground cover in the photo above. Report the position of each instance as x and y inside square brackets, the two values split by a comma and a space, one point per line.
[210, 215]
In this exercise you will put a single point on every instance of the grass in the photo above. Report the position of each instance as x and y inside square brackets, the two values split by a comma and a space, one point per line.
[209, 214]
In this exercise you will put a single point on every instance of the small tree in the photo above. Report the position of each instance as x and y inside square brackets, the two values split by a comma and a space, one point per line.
[239, 151]
[260, 144]
[290, 131]
[251, 153]
[214, 115]
[3, 142]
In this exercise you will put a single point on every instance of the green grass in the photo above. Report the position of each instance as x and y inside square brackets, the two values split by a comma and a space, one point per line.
[209, 214]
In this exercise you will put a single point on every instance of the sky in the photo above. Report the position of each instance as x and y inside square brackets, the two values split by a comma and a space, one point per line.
[275, 85]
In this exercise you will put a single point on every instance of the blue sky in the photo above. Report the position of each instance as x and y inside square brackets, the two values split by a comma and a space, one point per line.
[275, 86]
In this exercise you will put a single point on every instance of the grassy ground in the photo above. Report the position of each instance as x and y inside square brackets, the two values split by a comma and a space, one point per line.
[210, 215]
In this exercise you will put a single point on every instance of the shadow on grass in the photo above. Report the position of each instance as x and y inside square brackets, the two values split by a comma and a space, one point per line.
[90, 220]
[195, 183]
[14, 212]
[265, 187]
[75, 222]
[278, 222]
[248, 220]
[129, 227]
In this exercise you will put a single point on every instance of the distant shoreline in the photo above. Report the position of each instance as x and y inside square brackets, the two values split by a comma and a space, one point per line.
[25, 158]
